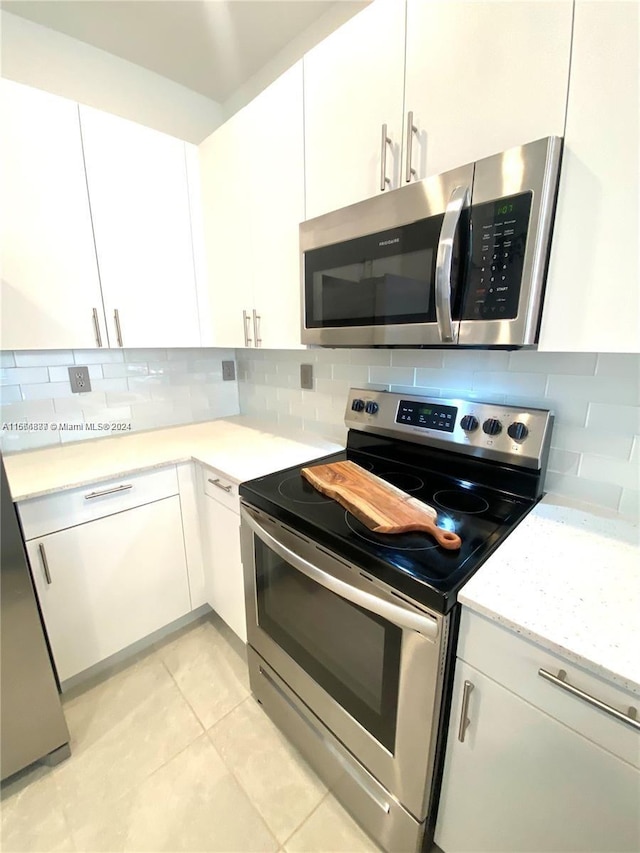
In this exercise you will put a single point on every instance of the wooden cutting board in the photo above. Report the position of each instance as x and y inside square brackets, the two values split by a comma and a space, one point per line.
[380, 506]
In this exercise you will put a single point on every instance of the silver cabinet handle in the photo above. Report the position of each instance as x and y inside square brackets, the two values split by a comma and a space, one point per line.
[256, 328]
[116, 317]
[630, 718]
[403, 618]
[411, 129]
[218, 483]
[384, 180]
[464, 719]
[104, 492]
[45, 564]
[444, 261]
[96, 327]
[245, 321]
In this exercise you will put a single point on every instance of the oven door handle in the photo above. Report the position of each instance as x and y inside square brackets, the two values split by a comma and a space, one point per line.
[444, 262]
[403, 618]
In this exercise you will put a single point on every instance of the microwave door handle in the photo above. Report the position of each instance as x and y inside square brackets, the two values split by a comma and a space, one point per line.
[444, 261]
[399, 616]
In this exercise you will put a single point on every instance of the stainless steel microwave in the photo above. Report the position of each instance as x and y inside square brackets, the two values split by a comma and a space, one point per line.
[458, 259]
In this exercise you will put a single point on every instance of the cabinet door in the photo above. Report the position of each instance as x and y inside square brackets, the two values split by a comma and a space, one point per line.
[483, 77]
[353, 84]
[592, 302]
[228, 229]
[275, 128]
[223, 565]
[522, 781]
[50, 284]
[139, 198]
[113, 581]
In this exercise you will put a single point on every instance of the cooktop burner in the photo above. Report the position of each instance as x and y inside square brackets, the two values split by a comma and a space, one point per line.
[406, 482]
[461, 501]
[296, 488]
[397, 541]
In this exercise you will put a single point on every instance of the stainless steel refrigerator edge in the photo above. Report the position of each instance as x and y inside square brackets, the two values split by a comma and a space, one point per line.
[32, 725]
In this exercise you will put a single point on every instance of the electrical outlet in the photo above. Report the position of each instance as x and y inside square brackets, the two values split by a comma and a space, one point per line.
[306, 376]
[79, 378]
[228, 371]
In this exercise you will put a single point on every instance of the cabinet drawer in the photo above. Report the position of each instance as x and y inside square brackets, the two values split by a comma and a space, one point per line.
[49, 513]
[221, 488]
[514, 662]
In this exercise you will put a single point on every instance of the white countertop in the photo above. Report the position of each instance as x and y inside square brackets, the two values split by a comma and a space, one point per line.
[568, 579]
[239, 447]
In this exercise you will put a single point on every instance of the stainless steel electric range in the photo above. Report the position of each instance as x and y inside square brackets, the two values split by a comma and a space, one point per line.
[351, 634]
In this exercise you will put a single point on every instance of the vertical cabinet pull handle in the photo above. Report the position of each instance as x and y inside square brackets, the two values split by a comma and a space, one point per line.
[96, 327]
[256, 328]
[246, 320]
[385, 141]
[116, 317]
[464, 719]
[45, 564]
[411, 129]
[444, 261]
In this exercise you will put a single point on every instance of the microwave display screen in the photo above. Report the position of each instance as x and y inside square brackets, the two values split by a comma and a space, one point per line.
[430, 416]
[379, 279]
[499, 240]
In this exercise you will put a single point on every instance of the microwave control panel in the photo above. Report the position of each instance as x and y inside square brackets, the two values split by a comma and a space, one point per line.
[499, 238]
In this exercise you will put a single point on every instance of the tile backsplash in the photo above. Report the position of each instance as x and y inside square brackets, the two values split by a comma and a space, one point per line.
[596, 399]
[143, 389]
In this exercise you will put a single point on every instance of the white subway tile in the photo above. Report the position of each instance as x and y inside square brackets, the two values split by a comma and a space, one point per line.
[428, 377]
[594, 389]
[43, 358]
[583, 489]
[78, 402]
[29, 410]
[370, 357]
[563, 461]
[629, 505]
[522, 384]
[7, 359]
[23, 375]
[591, 440]
[354, 374]
[51, 390]
[619, 420]
[9, 394]
[102, 355]
[109, 385]
[416, 358]
[389, 375]
[138, 355]
[606, 470]
[565, 363]
[124, 369]
[476, 360]
[414, 390]
[289, 421]
[619, 365]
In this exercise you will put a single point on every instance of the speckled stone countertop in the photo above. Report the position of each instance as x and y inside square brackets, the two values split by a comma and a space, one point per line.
[569, 579]
[238, 447]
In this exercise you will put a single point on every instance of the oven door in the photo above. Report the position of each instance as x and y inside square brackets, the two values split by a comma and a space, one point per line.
[388, 271]
[364, 660]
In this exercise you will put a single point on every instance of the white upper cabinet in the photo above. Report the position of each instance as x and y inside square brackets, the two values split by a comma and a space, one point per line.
[353, 85]
[592, 299]
[252, 189]
[482, 77]
[138, 189]
[50, 284]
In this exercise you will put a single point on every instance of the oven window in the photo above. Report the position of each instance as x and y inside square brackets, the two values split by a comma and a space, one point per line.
[379, 279]
[351, 653]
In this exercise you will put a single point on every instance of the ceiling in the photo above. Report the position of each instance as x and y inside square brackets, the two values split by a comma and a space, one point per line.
[209, 46]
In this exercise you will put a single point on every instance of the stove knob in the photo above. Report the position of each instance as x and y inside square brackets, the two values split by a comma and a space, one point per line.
[469, 423]
[371, 408]
[492, 426]
[518, 431]
[357, 405]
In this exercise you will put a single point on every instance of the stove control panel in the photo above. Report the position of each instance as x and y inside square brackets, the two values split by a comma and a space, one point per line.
[512, 434]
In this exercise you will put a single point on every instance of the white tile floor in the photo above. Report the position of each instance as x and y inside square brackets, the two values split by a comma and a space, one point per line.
[171, 753]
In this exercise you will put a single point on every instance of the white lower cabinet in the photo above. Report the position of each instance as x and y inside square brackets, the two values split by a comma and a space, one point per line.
[220, 520]
[522, 778]
[107, 583]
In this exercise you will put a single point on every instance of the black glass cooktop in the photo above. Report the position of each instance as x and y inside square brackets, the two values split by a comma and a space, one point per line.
[412, 563]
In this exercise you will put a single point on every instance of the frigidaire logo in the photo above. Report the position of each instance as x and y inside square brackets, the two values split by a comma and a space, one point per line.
[389, 242]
